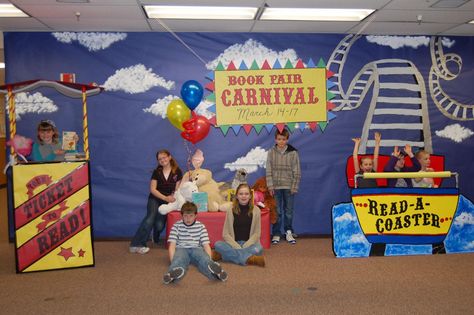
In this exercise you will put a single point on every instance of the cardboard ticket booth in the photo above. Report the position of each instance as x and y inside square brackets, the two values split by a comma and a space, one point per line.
[51, 200]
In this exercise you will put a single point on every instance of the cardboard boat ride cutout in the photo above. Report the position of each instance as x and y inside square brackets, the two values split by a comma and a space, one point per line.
[386, 221]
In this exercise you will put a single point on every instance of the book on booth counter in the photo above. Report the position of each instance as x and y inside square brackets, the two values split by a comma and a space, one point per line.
[69, 141]
[200, 199]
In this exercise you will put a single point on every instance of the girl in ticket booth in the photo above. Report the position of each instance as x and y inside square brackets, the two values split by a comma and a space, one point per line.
[49, 146]
[241, 232]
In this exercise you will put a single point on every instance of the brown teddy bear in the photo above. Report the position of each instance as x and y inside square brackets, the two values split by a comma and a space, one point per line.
[203, 179]
[268, 200]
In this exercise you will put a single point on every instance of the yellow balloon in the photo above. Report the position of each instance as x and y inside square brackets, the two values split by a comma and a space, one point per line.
[178, 113]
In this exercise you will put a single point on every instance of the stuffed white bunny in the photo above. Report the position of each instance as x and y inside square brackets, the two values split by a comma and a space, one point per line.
[183, 194]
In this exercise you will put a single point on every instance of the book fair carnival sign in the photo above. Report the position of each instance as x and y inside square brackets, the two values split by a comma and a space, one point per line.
[257, 97]
[52, 216]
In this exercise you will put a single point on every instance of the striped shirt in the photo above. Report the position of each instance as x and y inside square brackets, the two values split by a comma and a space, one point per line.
[188, 236]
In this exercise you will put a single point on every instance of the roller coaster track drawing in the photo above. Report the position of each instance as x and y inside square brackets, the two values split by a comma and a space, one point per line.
[439, 70]
[389, 114]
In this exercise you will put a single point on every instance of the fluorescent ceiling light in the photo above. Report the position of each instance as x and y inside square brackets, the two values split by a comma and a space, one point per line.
[9, 10]
[307, 14]
[200, 13]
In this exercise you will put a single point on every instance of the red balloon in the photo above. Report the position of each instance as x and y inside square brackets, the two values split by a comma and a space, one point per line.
[196, 128]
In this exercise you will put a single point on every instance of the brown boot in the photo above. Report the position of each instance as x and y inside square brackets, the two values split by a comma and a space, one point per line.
[256, 261]
[216, 256]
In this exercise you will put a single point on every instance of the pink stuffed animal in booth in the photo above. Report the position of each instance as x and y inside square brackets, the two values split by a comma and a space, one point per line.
[21, 145]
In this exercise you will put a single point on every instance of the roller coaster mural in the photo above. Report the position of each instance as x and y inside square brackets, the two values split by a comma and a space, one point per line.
[404, 79]
[398, 103]
[439, 70]
[386, 113]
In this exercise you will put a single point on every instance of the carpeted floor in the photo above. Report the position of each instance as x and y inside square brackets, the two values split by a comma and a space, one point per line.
[302, 279]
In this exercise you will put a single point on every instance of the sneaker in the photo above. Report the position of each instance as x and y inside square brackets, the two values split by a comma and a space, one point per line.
[173, 275]
[276, 239]
[217, 271]
[139, 250]
[256, 261]
[289, 237]
[216, 256]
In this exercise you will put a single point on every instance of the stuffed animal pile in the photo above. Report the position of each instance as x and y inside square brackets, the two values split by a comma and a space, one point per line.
[205, 183]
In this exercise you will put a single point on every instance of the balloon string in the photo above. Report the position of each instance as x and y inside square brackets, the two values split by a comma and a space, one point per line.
[180, 40]
[190, 154]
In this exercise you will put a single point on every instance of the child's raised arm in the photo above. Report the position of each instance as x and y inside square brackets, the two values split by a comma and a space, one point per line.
[355, 155]
[409, 151]
[377, 138]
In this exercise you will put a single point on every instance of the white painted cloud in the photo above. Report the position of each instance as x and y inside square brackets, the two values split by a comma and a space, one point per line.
[455, 132]
[136, 79]
[92, 41]
[469, 245]
[248, 52]
[345, 217]
[447, 42]
[160, 106]
[250, 162]
[32, 103]
[202, 109]
[357, 239]
[396, 42]
[464, 218]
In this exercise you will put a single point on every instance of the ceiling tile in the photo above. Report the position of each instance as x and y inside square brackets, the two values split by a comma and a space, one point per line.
[427, 16]
[124, 25]
[404, 28]
[118, 12]
[22, 24]
[462, 30]
[423, 5]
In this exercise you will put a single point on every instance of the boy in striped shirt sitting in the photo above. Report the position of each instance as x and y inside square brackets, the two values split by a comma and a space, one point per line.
[189, 243]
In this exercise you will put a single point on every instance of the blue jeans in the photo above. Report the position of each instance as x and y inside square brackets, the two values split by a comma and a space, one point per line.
[153, 220]
[196, 256]
[237, 255]
[284, 200]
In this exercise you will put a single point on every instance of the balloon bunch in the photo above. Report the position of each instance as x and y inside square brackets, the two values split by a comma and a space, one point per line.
[181, 113]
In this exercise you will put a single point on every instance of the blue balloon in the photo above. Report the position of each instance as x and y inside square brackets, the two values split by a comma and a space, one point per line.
[191, 93]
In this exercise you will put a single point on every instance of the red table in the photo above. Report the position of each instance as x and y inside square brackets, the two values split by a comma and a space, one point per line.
[214, 222]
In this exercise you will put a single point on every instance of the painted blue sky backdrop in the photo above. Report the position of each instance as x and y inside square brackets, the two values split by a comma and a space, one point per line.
[142, 72]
